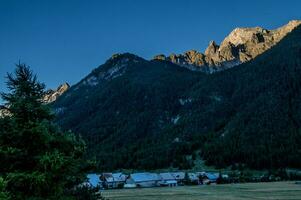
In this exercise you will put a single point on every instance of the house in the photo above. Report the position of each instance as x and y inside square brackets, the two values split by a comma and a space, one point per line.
[200, 174]
[119, 177]
[113, 180]
[179, 177]
[212, 177]
[91, 181]
[129, 185]
[107, 180]
[144, 179]
[208, 178]
[94, 180]
[167, 179]
[193, 178]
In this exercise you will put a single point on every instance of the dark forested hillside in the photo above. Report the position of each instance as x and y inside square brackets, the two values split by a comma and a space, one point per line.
[123, 108]
[255, 112]
[151, 114]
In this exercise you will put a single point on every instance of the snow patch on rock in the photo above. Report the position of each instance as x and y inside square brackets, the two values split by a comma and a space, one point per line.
[114, 72]
[185, 101]
[92, 81]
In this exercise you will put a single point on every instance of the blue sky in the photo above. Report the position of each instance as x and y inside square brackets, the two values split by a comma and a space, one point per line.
[63, 40]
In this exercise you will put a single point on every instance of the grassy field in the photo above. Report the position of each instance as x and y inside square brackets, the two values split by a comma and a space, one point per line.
[275, 190]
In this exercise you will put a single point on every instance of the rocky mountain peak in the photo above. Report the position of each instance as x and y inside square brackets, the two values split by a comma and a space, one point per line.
[63, 87]
[242, 35]
[123, 58]
[212, 48]
[52, 95]
[160, 57]
[114, 67]
[292, 24]
[241, 45]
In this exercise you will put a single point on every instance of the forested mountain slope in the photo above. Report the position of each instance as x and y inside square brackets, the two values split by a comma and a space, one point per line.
[255, 113]
[152, 114]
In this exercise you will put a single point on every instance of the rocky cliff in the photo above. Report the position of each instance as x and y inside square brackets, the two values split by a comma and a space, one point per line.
[241, 45]
[3, 111]
[52, 95]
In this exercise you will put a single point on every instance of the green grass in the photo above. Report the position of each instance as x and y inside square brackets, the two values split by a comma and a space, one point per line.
[264, 191]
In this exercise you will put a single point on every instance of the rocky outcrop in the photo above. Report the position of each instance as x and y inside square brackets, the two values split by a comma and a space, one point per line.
[52, 95]
[241, 45]
[3, 111]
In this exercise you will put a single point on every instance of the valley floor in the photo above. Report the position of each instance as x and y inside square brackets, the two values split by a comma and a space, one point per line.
[274, 190]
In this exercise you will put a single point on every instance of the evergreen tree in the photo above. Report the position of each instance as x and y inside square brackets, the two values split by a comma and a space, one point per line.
[4, 195]
[38, 160]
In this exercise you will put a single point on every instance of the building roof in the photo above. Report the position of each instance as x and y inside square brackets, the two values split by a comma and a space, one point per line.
[193, 176]
[107, 177]
[171, 182]
[114, 177]
[178, 175]
[166, 176]
[145, 177]
[93, 179]
[212, 176]
[119, 177]
[200, 173]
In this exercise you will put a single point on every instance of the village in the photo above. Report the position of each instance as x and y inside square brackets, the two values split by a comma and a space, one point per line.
[148, 179]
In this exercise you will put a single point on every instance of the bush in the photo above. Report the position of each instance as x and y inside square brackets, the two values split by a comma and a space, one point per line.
[87, 192]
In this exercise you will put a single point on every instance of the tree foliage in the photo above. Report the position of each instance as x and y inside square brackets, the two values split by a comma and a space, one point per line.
[38, 160]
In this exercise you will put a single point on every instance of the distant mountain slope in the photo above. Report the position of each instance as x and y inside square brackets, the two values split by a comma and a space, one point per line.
[241, 45]
[152, 114]
[251, 113]
[125, 105]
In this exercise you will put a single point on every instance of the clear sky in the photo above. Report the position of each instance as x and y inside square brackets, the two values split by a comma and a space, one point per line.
[63, 40]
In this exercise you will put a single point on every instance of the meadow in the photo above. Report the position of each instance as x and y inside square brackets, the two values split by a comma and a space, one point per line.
[246, 191]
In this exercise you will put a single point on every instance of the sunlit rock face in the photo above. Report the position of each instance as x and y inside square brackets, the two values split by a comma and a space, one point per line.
[52, 95]
[4, 111]
[241, 45]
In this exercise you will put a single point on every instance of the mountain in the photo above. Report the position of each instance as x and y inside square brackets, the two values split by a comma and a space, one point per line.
[251, 114]
[126, 103]
[241, 45]
[140, 114]
[52, 95]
